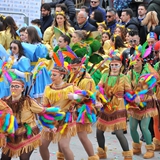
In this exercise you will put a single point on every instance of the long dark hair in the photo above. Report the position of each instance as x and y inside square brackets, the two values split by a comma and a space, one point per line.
[21, 52]
[118, 42]
[9, 22]
[33, 36]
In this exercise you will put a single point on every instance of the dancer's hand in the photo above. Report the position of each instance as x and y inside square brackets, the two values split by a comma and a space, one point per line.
[98, 104]
[51, 54]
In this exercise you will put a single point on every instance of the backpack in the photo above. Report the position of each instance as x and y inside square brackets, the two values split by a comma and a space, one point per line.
[121, 4]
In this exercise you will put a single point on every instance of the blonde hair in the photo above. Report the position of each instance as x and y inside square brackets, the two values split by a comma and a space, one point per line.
[151, 20]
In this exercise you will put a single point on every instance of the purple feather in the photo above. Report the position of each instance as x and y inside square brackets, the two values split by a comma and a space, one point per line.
[70, 50]
[147, 52]
[61, 57]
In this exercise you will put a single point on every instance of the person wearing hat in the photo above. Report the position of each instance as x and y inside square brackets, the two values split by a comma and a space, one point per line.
[141, 113]
[113, 114]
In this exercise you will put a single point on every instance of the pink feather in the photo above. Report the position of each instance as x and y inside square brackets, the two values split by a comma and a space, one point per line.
[147, 52]
[83, 117]
[8, 76]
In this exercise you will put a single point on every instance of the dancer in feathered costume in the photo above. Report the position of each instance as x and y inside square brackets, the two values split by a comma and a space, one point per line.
[8, 123]
[27, 136]
[143, 106]
[156, 139]
[83, 80]
[113, 114]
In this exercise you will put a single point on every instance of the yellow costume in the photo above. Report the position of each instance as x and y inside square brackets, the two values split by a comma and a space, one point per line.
[49, 36]
[21, 142]
[59, 97]
[114, 114]
[6, 38]
[87, 83]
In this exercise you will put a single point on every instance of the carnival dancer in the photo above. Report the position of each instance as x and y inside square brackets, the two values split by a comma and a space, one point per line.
[9, 34]
[84, 81]
[16, 66]
[27, 137]
[141, 113]
[36, 52]
[60, 25]
[59, 93]
[113, 114]
[156, 139]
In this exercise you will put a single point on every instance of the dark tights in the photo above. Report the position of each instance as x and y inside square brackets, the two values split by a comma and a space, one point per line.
[24, 156]
[120, 136]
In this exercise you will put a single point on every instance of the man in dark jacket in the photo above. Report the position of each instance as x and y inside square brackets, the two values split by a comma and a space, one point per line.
[128, 20]
[94, 5]
[70, 6]
[82, 22]
[46, 19]
[154, 5]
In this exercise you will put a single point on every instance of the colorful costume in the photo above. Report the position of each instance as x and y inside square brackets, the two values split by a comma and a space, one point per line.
[59, 97]
[36, 53]
[139, 112]
[156, 139]
[6, 38]
[114, 114]
[50, 39]
[27, 136]
[21, 70]
[87, 83]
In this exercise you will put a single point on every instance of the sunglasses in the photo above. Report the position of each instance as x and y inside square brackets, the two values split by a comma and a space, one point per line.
[14, 48]
[156, 52]
[15, 86]
[115, 65]
[94, 2]
[133, 41]
[109, 16]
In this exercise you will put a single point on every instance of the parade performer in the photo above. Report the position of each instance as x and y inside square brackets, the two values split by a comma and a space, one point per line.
[27, 136]
[59, 93]
[8, 123]
[60, 25]
[145, 106]
[113, 114]
[86, 44]
[9, 34]
[156, 139]
[16, 66]
[82, 80]
[36, 52]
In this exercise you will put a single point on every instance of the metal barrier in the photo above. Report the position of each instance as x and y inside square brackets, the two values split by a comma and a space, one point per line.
[26, 19]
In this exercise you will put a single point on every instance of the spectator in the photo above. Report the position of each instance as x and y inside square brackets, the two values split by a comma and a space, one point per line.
[151, 21]
[91, 21]
[69, 4]
[82, 22]
[111, 19]
[129, 21]
[154, 5]
[46, 19]
[142, 10]
[94, 5]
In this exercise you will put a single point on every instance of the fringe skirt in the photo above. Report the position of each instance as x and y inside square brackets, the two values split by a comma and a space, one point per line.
[112, 121]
